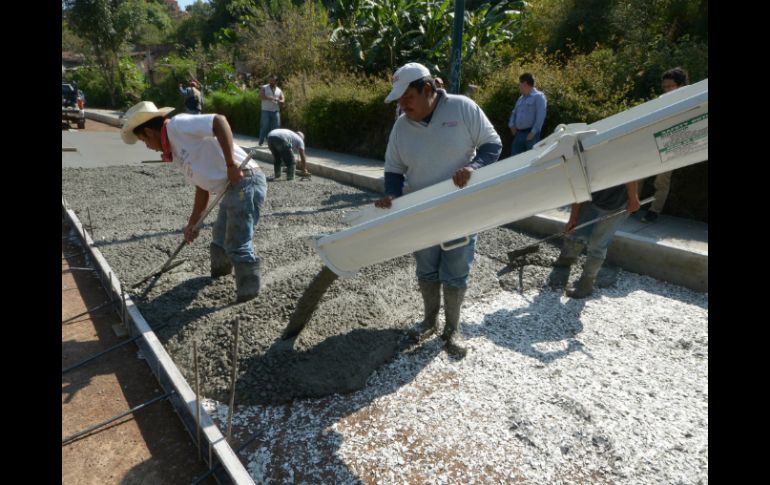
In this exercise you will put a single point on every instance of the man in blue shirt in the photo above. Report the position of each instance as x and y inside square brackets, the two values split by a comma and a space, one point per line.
[528, 115]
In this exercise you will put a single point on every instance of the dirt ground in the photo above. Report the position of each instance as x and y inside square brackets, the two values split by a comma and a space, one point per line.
[150, 446]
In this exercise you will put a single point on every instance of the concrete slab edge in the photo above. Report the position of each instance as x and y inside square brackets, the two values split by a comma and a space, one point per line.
[165, 370]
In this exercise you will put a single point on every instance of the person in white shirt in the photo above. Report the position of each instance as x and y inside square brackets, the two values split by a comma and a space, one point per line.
[272, 97]
[201, 147]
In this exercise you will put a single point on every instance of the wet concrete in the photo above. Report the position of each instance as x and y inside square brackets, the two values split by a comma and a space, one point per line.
[138, 212]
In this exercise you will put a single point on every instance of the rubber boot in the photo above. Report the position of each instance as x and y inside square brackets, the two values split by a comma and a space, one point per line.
[290, 169]
[220, 263]
[431, 299]
[570, 250]
[453, 301]
[277, 169]
[247, 280]
[585, 285]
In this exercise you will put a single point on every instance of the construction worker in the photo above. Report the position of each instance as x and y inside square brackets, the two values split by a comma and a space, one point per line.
[440, 136]
[672, 79]
[272, 99]
[193, 99]
[201, 147]
[282, 143]
[528, 115]
[595, 237]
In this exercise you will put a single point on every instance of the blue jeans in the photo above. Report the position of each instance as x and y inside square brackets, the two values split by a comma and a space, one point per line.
[597, 236]
[520, 143]
[238, 216]
[281, 153]
[269, 121]
[449, 267]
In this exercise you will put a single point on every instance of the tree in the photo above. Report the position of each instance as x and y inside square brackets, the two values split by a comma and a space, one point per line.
[106, 25]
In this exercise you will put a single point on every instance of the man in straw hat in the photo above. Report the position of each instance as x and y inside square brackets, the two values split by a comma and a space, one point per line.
[202, 148]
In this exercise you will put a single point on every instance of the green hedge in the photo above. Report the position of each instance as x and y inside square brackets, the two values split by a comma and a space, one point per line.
[242, 110]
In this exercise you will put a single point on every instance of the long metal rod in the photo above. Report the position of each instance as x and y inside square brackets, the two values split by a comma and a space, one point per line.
[90, 225]
[90, 429]
[87, 311]
[515, 252]
[197, 398]
[232, 384]
[106, 351]
[76, 268]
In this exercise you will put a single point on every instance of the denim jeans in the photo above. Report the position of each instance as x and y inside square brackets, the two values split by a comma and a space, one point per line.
[662, 186]
[520, 143]
[281, 153]
[597, 236]
[238, 216]
[269, 121]
[449, 267]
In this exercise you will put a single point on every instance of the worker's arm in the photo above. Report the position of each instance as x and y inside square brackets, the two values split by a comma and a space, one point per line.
[224, 136]
[633, 197]
[512, 121]
[573, 217]
[394, 187]
[201, 201]
[304, 160]
[280, 98]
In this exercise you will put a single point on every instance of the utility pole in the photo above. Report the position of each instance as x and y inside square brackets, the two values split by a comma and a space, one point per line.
[457, 45]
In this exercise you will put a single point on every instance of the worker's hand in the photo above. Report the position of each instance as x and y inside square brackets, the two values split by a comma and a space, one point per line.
[385, 202]
[190, 233]
[571, 223]
[514, 131]
[530, 136]
[633, 204]
[462, 176]
[234, 174]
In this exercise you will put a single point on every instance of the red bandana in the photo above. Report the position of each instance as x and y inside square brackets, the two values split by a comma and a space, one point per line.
[166, 156]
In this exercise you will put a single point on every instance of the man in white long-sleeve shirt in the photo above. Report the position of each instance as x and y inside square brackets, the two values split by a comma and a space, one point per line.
[440, 136]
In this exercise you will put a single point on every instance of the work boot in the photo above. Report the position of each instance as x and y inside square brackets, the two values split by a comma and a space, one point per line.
[247, 280]
[570, 250]
[277, 170]
[650, 216]
[290, 169]
[585, 285]
[220, 263]
[453, 301]
[431, 299]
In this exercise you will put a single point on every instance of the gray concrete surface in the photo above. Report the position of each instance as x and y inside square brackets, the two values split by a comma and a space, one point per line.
[101, 149]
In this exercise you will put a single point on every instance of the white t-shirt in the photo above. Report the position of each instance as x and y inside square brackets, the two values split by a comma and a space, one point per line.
[197, 154]
[429, 154]
[290, 137]
[268, 105]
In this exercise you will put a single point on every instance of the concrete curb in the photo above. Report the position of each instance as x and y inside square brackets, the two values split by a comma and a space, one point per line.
[339, 174]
